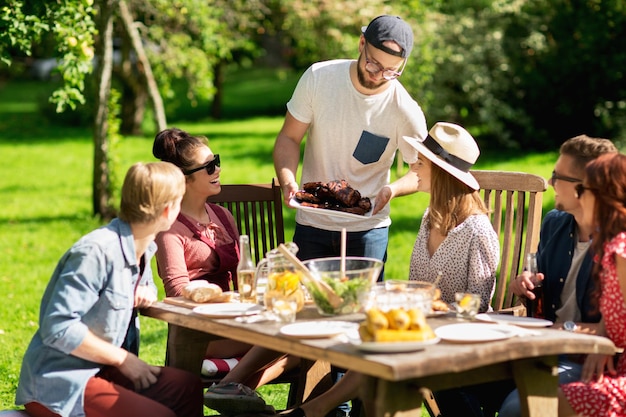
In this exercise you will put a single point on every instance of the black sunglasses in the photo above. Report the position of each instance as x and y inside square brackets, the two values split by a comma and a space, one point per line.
[210, 166]
[556, 176]
[580, 189]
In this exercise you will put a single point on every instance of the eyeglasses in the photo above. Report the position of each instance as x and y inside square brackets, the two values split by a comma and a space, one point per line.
[580, 189]
[556, 176]
[374, 68]
[210, 167]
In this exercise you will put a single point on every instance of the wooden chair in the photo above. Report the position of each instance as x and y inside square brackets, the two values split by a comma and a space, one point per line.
[258, 213]
[515, 200]
[515, 203]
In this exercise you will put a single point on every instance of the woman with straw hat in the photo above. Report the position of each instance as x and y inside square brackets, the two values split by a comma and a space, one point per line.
[456, 237]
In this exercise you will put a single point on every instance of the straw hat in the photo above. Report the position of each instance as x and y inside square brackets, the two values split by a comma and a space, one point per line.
[452, 148]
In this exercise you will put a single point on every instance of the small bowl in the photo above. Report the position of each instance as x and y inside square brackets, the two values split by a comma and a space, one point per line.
[353, 286]
[405, 294]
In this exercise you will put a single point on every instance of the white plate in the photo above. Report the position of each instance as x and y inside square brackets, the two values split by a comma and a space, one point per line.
[394, 347]
[228, 309]
[439, 313]
[327, 212]
[318, 329]
[518, 321]
[474, 332]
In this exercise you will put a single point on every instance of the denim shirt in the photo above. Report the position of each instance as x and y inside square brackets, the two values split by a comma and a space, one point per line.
[554, 257]
[92, 288]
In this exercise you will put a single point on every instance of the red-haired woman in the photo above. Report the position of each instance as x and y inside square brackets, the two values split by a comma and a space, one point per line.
[602, 389]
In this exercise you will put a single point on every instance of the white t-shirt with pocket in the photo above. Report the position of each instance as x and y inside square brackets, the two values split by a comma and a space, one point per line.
[352, 136]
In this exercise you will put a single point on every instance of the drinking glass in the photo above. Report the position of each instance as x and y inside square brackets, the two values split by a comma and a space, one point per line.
[467, 305]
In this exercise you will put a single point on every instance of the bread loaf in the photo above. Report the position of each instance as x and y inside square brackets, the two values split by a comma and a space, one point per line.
[201, 291]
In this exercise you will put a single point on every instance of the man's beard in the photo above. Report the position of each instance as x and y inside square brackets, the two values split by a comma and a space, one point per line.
[364, 81]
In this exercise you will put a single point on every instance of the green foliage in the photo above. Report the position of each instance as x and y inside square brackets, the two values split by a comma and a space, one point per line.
[18, 30]
[320, 30]
[187, 39]
[519, 74]
[23, 24]
[569, 58]
[524, 74]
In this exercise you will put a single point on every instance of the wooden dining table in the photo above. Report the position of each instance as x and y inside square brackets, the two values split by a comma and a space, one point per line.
[395, 380]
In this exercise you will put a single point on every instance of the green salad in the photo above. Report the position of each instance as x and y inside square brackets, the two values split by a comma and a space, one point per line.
[351, 290]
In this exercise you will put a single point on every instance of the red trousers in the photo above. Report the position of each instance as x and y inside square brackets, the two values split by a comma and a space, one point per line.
[176, 393]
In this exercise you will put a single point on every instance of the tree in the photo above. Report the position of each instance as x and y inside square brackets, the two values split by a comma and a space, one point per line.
[569, 57]
[192, 38]
[23, 23]
[187, 42]
[524, 74]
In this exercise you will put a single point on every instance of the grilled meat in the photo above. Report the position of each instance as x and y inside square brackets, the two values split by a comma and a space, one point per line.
[334, 195]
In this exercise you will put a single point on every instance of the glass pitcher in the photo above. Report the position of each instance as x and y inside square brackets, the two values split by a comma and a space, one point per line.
[277, 278]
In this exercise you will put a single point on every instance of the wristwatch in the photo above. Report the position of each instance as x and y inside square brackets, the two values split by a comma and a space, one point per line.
[570, 326]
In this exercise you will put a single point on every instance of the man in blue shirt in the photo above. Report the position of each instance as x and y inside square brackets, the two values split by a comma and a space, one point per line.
[563, 256]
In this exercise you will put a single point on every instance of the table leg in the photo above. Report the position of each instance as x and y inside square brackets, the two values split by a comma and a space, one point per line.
[391, 398]
[537, 381]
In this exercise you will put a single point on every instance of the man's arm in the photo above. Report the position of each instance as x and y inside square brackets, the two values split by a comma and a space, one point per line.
[407, 184]
[287, 154]
[97, 350]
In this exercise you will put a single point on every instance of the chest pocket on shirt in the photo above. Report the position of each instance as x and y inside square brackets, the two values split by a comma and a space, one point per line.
[370, 147]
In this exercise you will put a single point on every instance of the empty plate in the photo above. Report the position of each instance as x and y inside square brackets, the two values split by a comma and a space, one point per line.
[474, 332]
[228, 309]
[516, 320]
[318, 329]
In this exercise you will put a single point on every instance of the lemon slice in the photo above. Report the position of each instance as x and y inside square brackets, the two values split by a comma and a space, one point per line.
[465, 301]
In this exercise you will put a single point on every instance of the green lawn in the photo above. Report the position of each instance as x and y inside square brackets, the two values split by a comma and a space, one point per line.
[45, 188]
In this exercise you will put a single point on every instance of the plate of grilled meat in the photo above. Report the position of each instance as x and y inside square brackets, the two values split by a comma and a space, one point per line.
[333, 198]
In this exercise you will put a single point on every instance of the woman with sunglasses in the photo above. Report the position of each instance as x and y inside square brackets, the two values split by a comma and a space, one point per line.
[202, 244]
[602, 194]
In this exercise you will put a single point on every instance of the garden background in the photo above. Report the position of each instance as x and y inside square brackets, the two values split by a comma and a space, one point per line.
[522, 76]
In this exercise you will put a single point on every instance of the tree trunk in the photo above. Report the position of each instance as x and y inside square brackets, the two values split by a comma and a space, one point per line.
[104, 55]
[134, 90]
[133, 109]
[144, 64]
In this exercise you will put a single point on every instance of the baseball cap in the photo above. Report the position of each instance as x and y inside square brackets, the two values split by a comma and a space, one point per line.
[389, 28]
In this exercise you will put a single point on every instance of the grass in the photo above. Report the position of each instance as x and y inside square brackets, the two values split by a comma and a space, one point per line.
[45, 183]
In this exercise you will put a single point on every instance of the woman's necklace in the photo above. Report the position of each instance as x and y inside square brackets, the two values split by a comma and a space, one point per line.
[209, 228]
[205, 225]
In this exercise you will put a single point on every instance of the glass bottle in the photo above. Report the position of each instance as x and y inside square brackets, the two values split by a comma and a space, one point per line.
[246, 272]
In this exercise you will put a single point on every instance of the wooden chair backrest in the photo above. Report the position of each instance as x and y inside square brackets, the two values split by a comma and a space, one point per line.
[515, 202]
[258, 213]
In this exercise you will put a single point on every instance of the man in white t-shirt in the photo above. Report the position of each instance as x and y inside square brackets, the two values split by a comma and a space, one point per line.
[356, 113]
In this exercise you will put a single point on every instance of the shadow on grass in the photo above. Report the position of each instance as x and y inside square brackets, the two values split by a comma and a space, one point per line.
[32, 128]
